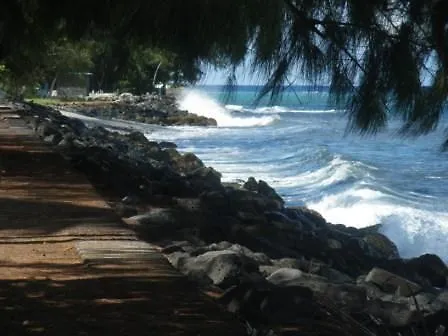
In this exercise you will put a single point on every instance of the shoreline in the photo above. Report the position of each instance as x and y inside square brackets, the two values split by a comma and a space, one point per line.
[266, 259]
[150, 109]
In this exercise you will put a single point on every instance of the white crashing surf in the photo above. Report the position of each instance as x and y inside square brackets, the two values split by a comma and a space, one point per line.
[203, 105]
[276, 109]
[414, 231]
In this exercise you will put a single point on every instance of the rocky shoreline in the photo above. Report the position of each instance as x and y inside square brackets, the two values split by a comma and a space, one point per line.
[284, 270]
[150, 109]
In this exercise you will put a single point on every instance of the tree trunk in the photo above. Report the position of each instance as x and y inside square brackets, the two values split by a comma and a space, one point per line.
[52, 86]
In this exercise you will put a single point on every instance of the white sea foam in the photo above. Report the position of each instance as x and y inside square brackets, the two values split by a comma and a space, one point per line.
[414, 231]
[283, 109]
[235, 107]
[203, 105]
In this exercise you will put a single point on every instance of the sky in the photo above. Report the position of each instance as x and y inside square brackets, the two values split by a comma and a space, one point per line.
[244, 77]
[218, 77]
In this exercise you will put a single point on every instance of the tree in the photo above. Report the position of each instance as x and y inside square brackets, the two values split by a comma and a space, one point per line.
[64, 56]
[374, 52]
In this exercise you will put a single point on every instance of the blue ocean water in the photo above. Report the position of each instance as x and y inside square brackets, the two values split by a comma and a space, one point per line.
[301, 148]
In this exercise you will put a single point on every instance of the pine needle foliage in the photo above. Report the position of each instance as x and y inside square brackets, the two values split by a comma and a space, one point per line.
[373, 53]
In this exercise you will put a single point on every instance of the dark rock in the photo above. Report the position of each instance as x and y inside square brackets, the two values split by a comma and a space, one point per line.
[392, 283]
[251, 184]
[392, 313]
[379, 246]
[45, 129]
[125, 210]
[182, 246]
[348, 296]
[167, 144]
[432, 268]
[224, 268]
[312, 267]
[137, 138]
[188, 204]
[204, 179]
[161, 219]
[263, 189]
[53, 139]
[265, 305]
[307, 216]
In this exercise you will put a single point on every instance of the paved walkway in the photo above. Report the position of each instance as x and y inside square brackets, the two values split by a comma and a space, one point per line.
[69, 266]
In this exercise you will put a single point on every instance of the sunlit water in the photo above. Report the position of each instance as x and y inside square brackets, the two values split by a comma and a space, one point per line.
[300, 147]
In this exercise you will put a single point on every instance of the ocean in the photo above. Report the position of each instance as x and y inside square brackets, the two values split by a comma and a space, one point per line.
[301, 148]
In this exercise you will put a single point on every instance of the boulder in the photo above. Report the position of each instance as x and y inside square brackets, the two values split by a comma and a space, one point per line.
[264, 305]
[392, 313]
[312, 267]
[392, 283]
[257, 257]
[379, 246]
[53, 139]
[432, 268]
[157, 221]
[125, 210]
[204, 179]
[177, 258]
[137, 138]
[251, 184]
[179, 246]
[347, 296]
[185, 163]
[46, 128]
[293, 277]
[308, 217]
[263, 189]
[223, 268]
[334, 244]
[167, 144]
[266, 190]
[252, 202]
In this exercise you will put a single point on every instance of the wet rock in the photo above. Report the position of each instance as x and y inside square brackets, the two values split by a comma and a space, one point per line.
[432, 268]
[46, 128]
[158, 222]
[204, 179]
[181, 246]
[308, 217]
[392, 313]
[392, 283]
[177, 258]
[348, 296]
[167, 144]
[251, 184]
[334, 244]
[264, 305]
[249, 201]
[223, 268]
[257, 257]
[263, 189]
[125, 210]
[53, 139]
[379, 246]
[184, 163]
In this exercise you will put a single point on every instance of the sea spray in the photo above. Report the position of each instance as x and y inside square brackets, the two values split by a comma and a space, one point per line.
[203, 105]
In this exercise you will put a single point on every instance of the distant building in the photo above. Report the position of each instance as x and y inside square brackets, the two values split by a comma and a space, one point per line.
[73, 84]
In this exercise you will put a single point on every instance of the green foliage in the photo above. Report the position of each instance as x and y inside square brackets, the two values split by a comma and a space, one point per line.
[373, 52]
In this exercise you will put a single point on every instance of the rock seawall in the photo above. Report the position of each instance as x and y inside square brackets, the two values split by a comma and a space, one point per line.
[285, 270]
[150, 109]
